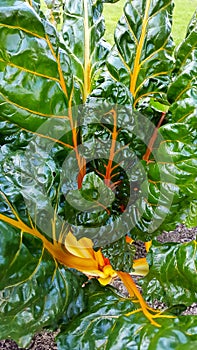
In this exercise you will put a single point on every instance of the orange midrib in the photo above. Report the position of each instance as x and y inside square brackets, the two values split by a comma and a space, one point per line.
[136, 68]
[153, 138]
[112, 150]
[80, 160]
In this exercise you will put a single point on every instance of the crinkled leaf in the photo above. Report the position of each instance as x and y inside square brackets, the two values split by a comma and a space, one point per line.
[186, 52]
[120, 255]
[35, 291]
[11, 134]
[93, 195]
[109, 135]
[181, 135]
[82, 31]
[33, 287]
[182, 93]
[111, 93]
[180, 144]
[172, 273]
[141, 57]
[37, 87]
[171, 176]
[157, 203]
[108, 323]
[157, 184]
[31, 181]
[191, 219]
[36, 79]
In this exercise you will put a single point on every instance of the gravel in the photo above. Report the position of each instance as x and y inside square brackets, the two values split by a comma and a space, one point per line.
[45, 340]
[41, 341]
[180, 235]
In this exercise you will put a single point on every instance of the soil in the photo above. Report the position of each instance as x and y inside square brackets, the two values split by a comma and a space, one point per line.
[180, 235]
[41, 341]
[45, 340]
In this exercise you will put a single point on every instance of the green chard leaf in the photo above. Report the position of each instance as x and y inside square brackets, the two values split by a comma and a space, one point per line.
[193, 23]
[172, 274]
[191, 219]
[182, 92]
[127, 185]
[179, 173]
[120, 255]
[158, 181]
[180, 133]
[35, 88]
[142, 55]
[82, 32]
[109, 135]
[112, 322]
[171, 168]
[94, 194]
[35, 291]
[11, 134]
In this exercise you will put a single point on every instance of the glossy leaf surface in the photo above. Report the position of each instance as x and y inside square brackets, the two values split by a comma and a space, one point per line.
[193, 23]
[111, 322]
[191, 219]
[33, 287]
[138, 179]
[182, 93]
[35, 291]
[172, 273]
[141, 57]
[82, 32]
[36, 80]
[120, 255]
[173, 175]
[162, 178]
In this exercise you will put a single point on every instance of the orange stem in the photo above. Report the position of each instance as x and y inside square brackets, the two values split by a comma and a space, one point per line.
[81, 161]
[153, 139]
[112, 150]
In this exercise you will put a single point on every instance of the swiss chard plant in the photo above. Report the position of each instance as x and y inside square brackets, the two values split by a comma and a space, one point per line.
[98, 149]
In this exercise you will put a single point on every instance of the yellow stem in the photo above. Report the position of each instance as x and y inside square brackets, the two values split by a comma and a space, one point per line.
[136, 68]
[133, 290]
[87, 80]
[148, 245]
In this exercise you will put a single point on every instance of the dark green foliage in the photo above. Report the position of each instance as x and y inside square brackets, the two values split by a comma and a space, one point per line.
[108, 323]
[120, 254]
[172, 273]
[103, 142]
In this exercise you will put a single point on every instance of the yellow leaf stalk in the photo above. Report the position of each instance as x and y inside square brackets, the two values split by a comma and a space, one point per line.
[80, 255]
[148, 245]
[97, 265]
